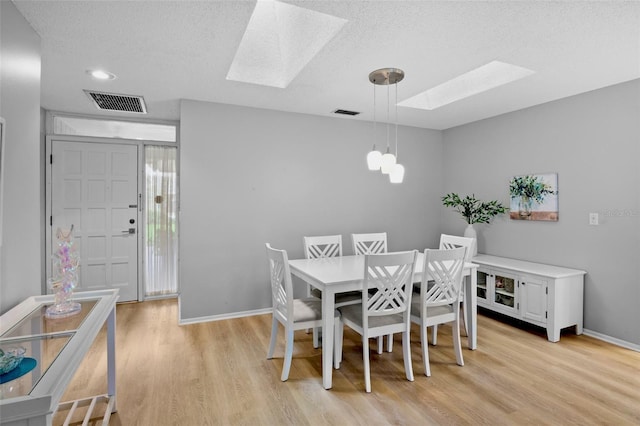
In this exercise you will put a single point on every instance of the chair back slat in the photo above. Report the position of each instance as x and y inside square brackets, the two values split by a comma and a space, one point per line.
[448, 242]
[323, 246]
[281, 285]
[374, 243]
[442, 277]
[388, 283]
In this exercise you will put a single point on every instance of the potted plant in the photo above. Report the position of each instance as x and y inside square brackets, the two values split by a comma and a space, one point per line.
[473, 211]
[530, 189]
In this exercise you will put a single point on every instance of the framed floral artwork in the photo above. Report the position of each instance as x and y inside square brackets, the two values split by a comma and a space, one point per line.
[534, 197]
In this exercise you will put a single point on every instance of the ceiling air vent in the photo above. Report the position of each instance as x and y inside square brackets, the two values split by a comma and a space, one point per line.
[345, 112]
[115, 102]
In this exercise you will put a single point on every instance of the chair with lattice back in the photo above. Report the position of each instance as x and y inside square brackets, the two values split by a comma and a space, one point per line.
[293, 314]
[320, 247]
[324, 246]
[439, 299]
[373, 243]
[385, 307]
[448, 242]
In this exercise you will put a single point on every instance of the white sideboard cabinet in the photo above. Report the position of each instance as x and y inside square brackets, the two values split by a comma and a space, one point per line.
[545, 295]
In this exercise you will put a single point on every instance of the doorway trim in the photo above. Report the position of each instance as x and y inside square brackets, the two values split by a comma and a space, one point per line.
[50, 136]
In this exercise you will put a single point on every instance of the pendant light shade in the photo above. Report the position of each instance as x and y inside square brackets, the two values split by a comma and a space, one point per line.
[388, 162]
[397, 174]
[374, 159]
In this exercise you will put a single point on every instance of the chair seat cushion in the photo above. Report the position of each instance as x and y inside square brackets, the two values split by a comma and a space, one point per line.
[353, 313]
[432, 311]
[309, 309]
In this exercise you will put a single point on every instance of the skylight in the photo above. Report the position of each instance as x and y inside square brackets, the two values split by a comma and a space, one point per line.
[280, 40]
[486, 77]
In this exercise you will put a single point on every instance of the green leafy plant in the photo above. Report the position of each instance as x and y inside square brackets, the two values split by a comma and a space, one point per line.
[529, 186]
[472, 209]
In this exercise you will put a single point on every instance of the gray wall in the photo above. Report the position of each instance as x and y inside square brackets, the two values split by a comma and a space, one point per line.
[593, 142]
[21, 260]
[251, 176]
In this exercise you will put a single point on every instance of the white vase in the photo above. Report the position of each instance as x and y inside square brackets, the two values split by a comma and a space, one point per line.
[470, 232]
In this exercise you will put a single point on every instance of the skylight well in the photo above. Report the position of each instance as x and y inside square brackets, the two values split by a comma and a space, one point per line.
[486, 77]
[280, 40]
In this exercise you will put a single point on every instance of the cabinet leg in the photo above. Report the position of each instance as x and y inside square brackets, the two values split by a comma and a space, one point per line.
[553, 334]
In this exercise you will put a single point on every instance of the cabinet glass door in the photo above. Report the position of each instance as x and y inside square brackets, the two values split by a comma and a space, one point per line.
[482, 286]
[505, 291]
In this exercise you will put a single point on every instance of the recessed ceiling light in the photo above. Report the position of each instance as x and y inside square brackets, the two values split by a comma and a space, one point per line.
[280, 40]
[101, 75]
[486, 77]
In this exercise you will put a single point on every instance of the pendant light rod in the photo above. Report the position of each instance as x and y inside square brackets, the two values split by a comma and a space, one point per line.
[388, 108]
[396, 122]
[375, 122]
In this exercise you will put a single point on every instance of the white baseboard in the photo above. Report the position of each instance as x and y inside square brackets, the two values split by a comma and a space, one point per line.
[612, 340]
[220, 317]
[590, 333]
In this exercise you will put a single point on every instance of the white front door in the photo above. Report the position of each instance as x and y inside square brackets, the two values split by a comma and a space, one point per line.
[94, 187]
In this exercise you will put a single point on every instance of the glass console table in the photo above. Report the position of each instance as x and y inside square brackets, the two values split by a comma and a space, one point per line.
[56, 347]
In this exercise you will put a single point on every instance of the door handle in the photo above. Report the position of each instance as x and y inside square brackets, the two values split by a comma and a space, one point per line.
[130, 231]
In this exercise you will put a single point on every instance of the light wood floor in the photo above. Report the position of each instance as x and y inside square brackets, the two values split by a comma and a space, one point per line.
[217, 373]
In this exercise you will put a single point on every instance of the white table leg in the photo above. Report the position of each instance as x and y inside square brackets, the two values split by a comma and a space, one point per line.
[471, 309]
[111, 357]
[328, 309]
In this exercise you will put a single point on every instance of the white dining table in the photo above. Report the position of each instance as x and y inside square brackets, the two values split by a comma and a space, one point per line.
[346, 273]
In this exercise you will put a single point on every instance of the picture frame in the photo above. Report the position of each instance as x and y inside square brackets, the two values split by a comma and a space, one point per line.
[534, 197]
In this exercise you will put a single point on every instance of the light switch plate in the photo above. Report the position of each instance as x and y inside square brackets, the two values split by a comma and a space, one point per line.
[593, 219]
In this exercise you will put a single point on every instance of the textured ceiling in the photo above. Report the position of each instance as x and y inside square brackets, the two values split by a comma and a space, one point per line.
[171, 50]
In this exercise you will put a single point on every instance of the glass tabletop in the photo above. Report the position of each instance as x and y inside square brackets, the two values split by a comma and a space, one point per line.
[43, 339]
[40, 353]
[36, 323]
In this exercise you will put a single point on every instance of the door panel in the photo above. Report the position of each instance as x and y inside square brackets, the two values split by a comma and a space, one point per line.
[534, 299]
[94, 186]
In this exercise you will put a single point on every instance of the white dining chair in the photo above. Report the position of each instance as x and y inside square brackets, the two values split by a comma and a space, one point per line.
[454, 241]
[372, 243]
[293, 314]
[385, 307]
[316, 247]
[450, 242]
[440, 297]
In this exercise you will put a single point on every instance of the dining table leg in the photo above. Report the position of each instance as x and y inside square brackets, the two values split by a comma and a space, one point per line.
[328, 309]
[471, 308]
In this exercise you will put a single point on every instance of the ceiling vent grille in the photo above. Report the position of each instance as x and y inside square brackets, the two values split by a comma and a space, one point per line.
[345, 112]
[115, 102]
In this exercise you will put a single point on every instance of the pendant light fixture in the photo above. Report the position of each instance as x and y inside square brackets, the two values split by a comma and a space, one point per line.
[386, 163]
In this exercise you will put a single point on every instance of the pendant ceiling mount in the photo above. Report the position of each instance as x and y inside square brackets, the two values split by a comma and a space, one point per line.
[386, 76]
